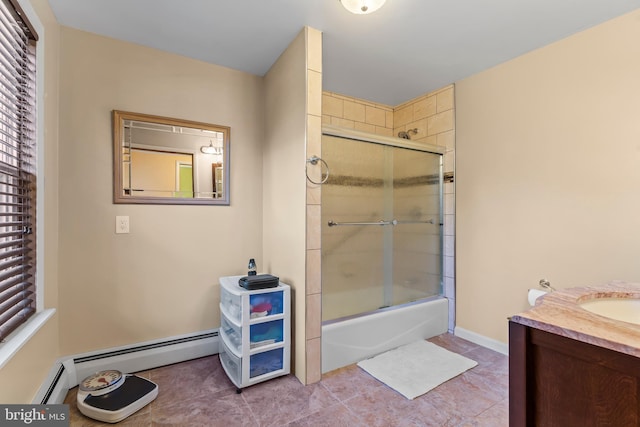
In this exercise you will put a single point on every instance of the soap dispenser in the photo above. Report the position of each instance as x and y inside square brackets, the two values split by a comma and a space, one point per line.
[252, 267]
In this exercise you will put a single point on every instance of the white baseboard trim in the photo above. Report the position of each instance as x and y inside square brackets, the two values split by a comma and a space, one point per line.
[67, 372]
[487, 342]
[54, 389]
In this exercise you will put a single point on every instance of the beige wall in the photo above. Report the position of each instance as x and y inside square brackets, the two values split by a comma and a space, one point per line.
[548, 173]
[293, 96]
[162, 278]
[22, 376]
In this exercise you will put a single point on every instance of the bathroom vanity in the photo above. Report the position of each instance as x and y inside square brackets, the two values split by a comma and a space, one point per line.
[571, 367]
[254, 331]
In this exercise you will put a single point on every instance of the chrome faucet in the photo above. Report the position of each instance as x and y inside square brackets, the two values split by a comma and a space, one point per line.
[544, 283]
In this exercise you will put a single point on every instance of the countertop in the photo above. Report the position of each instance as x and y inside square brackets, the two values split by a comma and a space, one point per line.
[559, 313]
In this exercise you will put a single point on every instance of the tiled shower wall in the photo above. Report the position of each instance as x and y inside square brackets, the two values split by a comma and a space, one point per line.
[358, 114]
[313, 296]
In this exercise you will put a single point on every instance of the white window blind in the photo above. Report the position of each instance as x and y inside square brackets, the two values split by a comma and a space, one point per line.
[17, 168]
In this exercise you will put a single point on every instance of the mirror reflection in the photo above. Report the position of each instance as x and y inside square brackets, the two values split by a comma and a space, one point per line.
[163, 160]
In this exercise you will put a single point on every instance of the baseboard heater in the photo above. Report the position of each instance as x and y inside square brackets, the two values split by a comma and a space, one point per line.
[67, 372]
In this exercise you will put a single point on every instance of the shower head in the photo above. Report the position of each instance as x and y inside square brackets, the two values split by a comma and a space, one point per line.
[407, 134]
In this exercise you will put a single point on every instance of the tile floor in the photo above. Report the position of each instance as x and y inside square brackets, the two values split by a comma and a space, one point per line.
[198, 393]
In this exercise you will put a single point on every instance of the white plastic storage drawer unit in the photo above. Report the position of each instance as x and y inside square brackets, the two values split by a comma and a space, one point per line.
[255, 332]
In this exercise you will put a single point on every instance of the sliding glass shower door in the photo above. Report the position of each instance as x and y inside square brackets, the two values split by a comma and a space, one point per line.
[381, 232]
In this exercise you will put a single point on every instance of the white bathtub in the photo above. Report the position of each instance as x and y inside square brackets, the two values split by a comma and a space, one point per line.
[349, 341]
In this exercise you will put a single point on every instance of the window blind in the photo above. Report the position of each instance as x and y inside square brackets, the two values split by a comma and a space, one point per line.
[17, 168]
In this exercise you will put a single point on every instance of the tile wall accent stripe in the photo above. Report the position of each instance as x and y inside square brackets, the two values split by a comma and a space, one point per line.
[356, 181]
[414, 181]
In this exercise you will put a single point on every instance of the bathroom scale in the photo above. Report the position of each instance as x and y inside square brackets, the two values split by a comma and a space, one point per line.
[111, 396]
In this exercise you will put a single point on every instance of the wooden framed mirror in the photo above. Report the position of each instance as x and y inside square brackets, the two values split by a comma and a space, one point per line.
[162, 160]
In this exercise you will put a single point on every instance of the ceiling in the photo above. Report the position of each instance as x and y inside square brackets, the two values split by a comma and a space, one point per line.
[405, 49]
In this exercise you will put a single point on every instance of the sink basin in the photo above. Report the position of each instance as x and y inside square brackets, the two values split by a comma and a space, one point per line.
[624, 309]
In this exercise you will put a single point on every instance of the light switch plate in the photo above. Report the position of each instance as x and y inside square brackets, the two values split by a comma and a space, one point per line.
[122, 224]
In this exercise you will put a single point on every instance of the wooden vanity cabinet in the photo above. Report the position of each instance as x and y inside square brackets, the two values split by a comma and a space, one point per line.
[555, 381]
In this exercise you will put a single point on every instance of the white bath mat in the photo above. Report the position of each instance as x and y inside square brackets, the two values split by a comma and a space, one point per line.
[416, 368]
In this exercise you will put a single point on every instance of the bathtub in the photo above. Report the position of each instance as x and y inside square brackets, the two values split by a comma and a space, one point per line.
[348, 341]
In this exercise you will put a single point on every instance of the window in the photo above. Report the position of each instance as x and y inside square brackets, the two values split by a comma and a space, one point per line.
[17, 168]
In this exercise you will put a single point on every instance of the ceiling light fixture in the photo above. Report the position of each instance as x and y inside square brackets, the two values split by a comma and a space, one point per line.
[362, 7]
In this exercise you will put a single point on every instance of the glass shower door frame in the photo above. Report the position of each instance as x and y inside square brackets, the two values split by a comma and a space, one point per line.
[387, 213]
